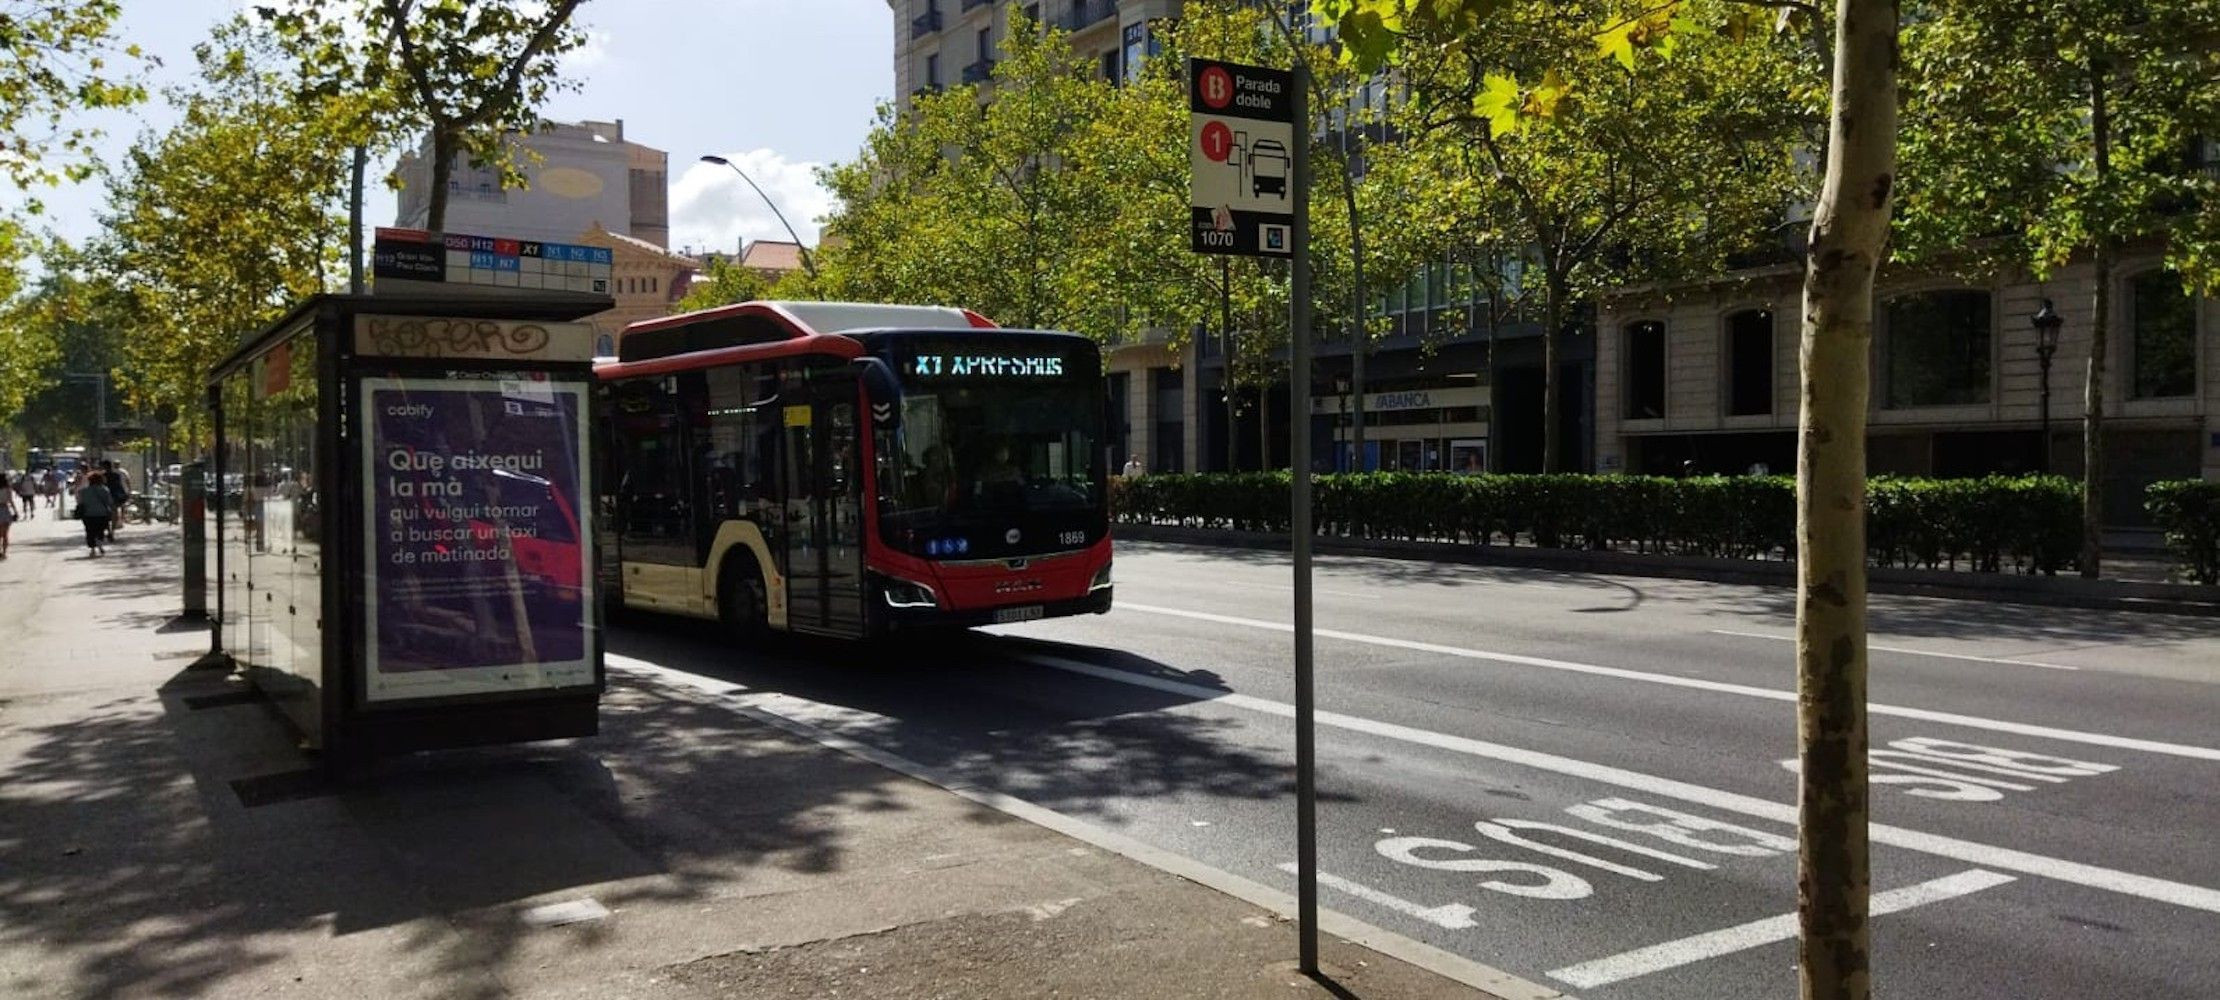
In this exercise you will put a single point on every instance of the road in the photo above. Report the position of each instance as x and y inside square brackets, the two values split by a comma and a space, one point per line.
[1586, 781]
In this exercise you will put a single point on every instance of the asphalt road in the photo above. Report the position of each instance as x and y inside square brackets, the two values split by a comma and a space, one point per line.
[1587, 781]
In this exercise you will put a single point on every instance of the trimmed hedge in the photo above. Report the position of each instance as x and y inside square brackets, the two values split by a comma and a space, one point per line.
[2027, 524]
[2188, 511]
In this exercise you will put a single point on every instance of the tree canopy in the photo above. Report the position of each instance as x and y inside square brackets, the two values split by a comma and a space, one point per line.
[468, 73]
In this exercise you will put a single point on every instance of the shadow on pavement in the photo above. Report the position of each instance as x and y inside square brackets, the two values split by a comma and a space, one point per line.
[971, 704]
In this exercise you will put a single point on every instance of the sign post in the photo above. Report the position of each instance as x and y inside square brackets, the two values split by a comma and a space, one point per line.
[1249, 150]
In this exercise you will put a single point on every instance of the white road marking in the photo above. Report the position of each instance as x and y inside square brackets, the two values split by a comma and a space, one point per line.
[1451, 916]
[1671, 954]
[1697, 683]
[1913, 652]
[2126, 883]
[1290, 590]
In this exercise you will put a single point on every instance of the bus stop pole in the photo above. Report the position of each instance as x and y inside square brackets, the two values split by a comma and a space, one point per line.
[1299, 530]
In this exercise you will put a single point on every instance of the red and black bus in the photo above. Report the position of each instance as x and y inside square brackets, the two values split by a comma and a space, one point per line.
[847, 469]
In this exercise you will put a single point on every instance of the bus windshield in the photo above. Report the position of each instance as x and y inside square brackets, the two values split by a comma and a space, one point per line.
[998, 453]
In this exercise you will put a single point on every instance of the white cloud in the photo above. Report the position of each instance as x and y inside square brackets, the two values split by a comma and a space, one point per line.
[594, 53]
[713, 208]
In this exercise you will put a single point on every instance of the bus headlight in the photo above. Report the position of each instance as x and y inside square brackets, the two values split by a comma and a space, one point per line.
[904, 594]
[1102, 579]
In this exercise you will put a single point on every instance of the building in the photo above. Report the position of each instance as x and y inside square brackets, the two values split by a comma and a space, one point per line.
[770, 259]
[586, 175]
[941, 43]
[1705, 377]
[646, 281]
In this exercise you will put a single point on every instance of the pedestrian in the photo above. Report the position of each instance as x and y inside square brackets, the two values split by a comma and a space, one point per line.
[25, 488]
[50, 489]
[1133, 466]
[95, 507]
[119, 487]
[8, 514]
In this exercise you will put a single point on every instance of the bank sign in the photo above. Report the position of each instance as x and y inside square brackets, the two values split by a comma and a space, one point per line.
[1241, 149]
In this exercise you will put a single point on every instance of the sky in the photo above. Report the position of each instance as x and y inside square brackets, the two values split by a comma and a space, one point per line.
[777, 86]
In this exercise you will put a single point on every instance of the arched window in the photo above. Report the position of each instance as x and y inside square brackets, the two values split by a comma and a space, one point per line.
[1938, 348]
[2162, 329]
[1750, 363]
[1644, 369]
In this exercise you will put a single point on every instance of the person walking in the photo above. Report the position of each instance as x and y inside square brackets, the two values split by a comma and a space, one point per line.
[8, 515]
[25, 487]
[119, 487]
[50, 489]
[95, 507]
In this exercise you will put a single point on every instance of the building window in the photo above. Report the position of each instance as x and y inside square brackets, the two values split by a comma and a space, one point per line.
[1110, 65]
[1170, 437]
[986, 45]
[1938, 348]
[1645, 369]
[1750, 363]
[2162, 322]
[932, 70]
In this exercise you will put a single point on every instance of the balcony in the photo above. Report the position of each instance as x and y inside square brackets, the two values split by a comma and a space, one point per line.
[924, 24]
[979, 72]
[1083, 13]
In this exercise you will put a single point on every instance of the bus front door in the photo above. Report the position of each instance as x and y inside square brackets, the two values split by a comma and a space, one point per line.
[824, 512]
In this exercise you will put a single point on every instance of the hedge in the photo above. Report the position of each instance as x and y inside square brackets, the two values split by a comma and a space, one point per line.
[2188, 511]
[2028, 524]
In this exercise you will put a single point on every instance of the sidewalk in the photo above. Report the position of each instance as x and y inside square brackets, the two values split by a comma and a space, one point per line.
[159, 837]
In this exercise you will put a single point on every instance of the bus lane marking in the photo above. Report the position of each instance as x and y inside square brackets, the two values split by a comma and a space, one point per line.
[2007, 661]
[2181, 894]
[1448, 916]
[1699, 684]
[1935, 768]
[1742, 937]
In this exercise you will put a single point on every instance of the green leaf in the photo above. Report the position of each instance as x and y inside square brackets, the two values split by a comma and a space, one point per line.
[1498, 103]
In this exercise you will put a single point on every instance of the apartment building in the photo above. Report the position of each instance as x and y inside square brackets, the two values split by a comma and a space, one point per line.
[1704, 377]
[586, 174]
[942, 43]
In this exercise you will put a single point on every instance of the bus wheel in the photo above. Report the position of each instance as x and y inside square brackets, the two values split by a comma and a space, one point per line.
[741, 598]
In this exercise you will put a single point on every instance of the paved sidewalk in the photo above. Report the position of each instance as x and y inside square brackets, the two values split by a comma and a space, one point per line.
[159, 837]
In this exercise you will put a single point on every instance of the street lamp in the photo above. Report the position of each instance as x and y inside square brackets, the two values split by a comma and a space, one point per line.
[2046, 321]
[807, 265]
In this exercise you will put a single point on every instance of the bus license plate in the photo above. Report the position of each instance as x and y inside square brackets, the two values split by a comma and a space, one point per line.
[1030, 612]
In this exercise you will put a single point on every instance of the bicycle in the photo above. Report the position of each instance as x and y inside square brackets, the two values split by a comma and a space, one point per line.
[145, 509]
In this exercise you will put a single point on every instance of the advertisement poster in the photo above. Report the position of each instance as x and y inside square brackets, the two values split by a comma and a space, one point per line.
[478, 567]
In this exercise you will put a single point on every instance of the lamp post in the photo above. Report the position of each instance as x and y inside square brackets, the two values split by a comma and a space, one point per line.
[807, 265]
[2046, 322]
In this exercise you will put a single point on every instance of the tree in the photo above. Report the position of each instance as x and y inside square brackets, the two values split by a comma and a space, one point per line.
[2041, 132]
[202, 266]
[68, 324]
[55, 60]
[468, 72]
[1059, 203]
[1517, 138]
[1848, 234]
[728, 282]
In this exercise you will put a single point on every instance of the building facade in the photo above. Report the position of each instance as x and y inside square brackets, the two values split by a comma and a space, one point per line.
[586, 175]
[645, 279]
[1704, 377]
[943, 43]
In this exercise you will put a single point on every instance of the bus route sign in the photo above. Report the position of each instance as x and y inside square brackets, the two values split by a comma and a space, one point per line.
[1241, 141]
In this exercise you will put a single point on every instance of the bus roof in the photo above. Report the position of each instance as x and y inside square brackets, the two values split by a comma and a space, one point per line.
[770, 322]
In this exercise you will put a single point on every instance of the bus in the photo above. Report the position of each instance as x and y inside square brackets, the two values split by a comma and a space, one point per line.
[849, 469]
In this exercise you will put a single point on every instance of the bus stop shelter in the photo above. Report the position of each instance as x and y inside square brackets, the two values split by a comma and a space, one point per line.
[403, 486]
